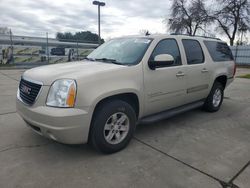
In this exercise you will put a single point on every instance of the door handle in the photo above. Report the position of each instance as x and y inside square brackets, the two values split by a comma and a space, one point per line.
[179, 74]
[204, 70]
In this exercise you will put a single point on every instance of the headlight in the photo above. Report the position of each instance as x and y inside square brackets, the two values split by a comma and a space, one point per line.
[62, 93]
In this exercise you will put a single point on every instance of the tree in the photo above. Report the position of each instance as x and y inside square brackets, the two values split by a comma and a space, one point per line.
[188, 17]
[231, 16]
[83, 36]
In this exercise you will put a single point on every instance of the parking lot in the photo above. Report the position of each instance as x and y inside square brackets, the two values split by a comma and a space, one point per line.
[195, 149]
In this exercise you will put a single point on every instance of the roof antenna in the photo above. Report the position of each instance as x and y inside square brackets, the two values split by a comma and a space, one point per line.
[147, 33]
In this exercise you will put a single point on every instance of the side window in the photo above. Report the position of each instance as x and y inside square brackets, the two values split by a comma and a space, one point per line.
[168, 46]
[193, 51]
[219, 51]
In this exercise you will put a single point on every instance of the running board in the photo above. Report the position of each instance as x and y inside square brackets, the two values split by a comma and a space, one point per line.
[170, 113]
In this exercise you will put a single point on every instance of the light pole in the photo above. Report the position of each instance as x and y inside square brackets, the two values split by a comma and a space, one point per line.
[242, 29]
[99, 4]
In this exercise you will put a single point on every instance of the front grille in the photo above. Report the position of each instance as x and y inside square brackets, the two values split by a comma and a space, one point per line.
[28, 91]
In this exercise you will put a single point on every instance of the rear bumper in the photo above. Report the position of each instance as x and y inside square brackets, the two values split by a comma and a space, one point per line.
[229, 81]
[65, 125]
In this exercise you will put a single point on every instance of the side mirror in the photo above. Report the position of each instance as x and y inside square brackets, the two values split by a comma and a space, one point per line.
[161, 60]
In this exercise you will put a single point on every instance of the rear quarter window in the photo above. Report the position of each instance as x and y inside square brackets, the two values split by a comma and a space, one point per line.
[219, 51]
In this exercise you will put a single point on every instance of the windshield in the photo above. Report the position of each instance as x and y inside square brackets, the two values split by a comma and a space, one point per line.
[123, 51]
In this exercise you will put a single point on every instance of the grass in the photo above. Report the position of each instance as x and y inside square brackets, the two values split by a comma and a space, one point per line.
[244, 76]
[26, 59]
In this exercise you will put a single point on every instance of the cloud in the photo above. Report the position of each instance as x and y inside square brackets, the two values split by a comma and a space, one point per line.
[29, 17]
[142, 8]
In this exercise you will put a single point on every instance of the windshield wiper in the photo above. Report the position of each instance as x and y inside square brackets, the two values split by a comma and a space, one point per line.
[110, 60]
[90, 59]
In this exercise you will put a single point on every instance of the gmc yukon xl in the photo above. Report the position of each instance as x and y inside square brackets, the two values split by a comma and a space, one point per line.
[125, 81]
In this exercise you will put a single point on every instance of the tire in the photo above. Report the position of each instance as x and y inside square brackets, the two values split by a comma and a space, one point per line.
[113, 126]
[215, 98]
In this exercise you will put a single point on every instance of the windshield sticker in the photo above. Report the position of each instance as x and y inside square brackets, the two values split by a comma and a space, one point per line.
[146, 41]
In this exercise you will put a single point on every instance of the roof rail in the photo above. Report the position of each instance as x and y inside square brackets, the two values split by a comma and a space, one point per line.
[196, 36]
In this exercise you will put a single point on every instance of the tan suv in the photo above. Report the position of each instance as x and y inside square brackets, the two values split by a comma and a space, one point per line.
[125, 81]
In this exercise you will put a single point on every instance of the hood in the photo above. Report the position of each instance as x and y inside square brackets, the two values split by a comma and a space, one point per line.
[74, 70]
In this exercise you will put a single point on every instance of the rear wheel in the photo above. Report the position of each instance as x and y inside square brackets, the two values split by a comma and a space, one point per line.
[113, 126]
[215, 98]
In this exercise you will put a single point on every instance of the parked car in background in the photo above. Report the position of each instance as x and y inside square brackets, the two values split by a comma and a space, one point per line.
[58, 51]
[123, 82]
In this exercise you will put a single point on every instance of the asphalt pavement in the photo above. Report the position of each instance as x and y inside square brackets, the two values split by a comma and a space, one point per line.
[192, 150]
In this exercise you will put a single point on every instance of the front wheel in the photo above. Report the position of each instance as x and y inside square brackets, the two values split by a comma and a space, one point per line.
[113, 126]
[215, 98]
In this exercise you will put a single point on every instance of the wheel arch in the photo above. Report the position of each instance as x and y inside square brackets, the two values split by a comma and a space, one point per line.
[221, 79]
[130, 97]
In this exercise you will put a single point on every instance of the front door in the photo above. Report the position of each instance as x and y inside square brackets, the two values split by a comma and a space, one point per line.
[165, 87]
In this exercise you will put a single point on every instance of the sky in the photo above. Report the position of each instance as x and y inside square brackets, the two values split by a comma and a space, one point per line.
[118, 17]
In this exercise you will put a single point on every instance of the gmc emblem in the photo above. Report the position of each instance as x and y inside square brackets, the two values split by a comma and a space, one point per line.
[25, 89]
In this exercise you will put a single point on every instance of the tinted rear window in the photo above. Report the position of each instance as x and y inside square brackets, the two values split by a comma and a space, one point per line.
[193, 51]
[219, 51]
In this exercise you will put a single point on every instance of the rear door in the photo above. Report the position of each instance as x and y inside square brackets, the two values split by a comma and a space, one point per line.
[197, 69]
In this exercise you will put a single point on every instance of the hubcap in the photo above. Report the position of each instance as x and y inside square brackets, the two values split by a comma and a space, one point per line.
[116, 128]
[217, 97]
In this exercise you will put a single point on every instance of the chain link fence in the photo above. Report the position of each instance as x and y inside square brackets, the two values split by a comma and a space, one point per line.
[241, 54]
[23, 50]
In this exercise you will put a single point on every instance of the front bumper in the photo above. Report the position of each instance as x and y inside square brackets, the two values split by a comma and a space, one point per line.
[65, 125]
